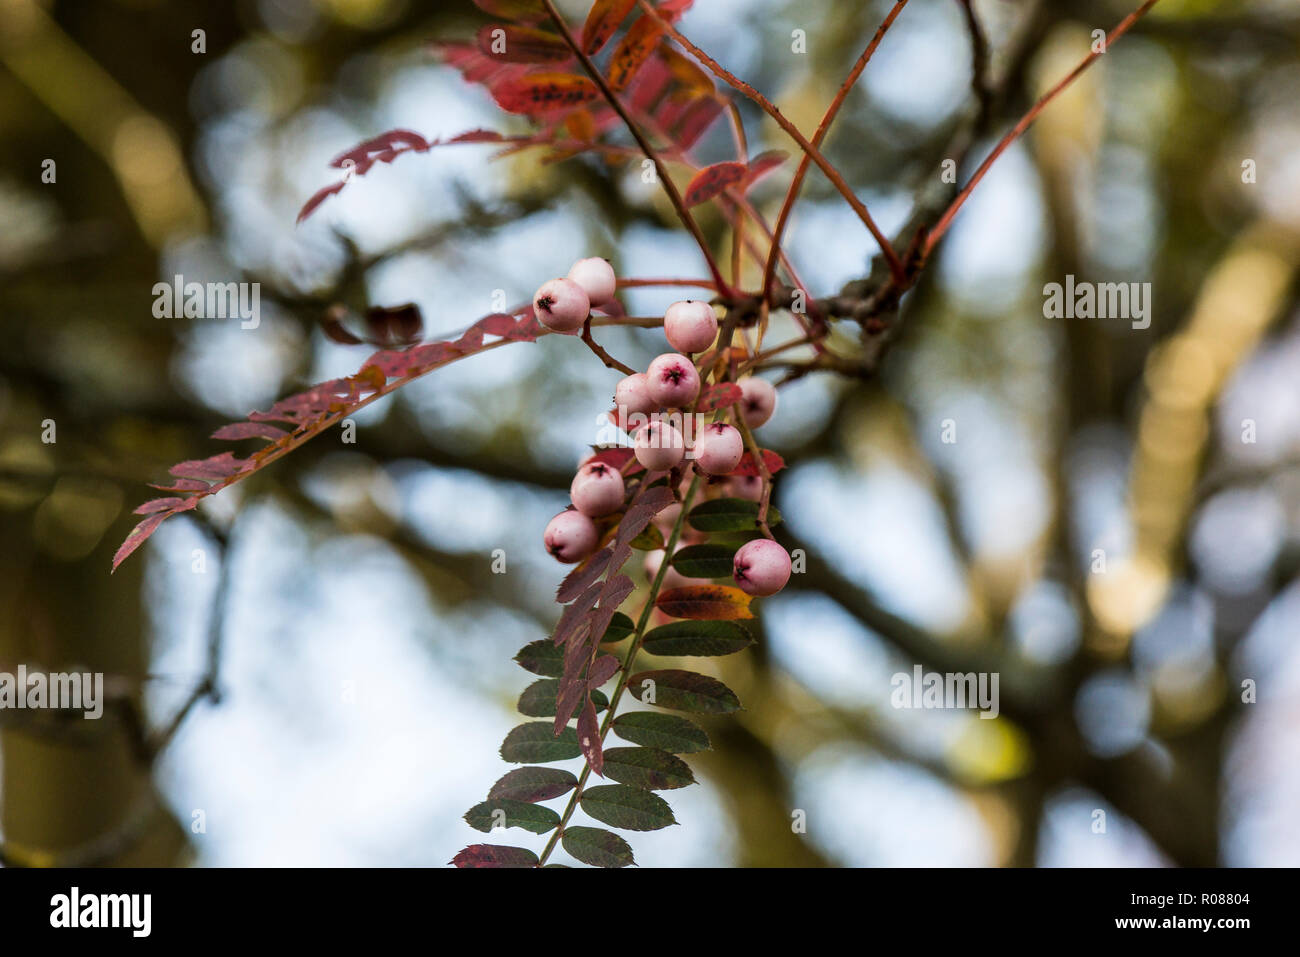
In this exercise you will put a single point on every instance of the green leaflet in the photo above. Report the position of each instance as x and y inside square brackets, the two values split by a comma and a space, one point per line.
[535, 743]
[597, 847]
[697, 637]
[503, 812]
[730, 515]
[538, 699]
[669, 732]
[629, 808]
[647, 768]
[704, 561]
[683, 691]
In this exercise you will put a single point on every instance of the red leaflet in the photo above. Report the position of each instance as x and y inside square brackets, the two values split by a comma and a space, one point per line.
[249, 430]
[718, 396]
[512, 44]
[634, 50]
[493, 855]
[158, 505]
[603, 19]
[747, 467]
[215, 468]
[535, 93]
[602, 669]
[707, 602]
[712, 180]
[589, 738]
[615, 458]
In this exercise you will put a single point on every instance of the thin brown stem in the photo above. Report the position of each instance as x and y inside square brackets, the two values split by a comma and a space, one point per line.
[600, 352]
[674, 196]
[895, 265]
[945, 221]
[823, 128]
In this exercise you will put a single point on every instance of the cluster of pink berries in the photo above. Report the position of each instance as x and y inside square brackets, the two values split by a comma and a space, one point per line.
[670, 384]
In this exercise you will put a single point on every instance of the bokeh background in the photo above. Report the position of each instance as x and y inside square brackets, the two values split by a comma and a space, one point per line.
[1115, 530]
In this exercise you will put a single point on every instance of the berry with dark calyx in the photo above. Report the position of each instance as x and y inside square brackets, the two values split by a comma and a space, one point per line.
[659, 446]
[597, 490]
[719, 448]
[561, 305]
[672, 381]
[758, 400]
[690, 325]
[571, 536]
[761, 567]
[597, 279]
[632, 396]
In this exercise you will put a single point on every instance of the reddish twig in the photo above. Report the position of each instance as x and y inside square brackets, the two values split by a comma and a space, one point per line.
[601, 354]
[945, 221]
[895, 265]
[769, 271]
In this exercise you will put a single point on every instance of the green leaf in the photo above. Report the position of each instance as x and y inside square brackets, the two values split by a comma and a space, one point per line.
[535, 743]
[705, 561]
[729, 515]
[503, 812]
[669, 732]
[538, 699]
[647, 768]
[629, 808]
[597, 847]
[533, 784]
[620, 626]
[494, 855]
[542, 657]
[649, 539]
[697, 638]
[683, 691]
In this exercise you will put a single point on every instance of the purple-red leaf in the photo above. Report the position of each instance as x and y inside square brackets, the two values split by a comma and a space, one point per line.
[538, 93]
[589, 738]
[249, 430]
[603, 19]
[712, 180]
[494, 855]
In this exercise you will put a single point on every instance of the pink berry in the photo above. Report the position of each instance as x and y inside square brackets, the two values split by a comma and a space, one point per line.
[759, 400]
[719, 448]
[597, 490]
[761, 567]
[745, 486]
[561, 305]
[690, 326]
[631, 395]
[571, 536]
[659, 446]
[596, 277]
[672, 381]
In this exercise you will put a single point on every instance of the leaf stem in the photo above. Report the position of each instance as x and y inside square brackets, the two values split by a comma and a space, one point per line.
[626, 670]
